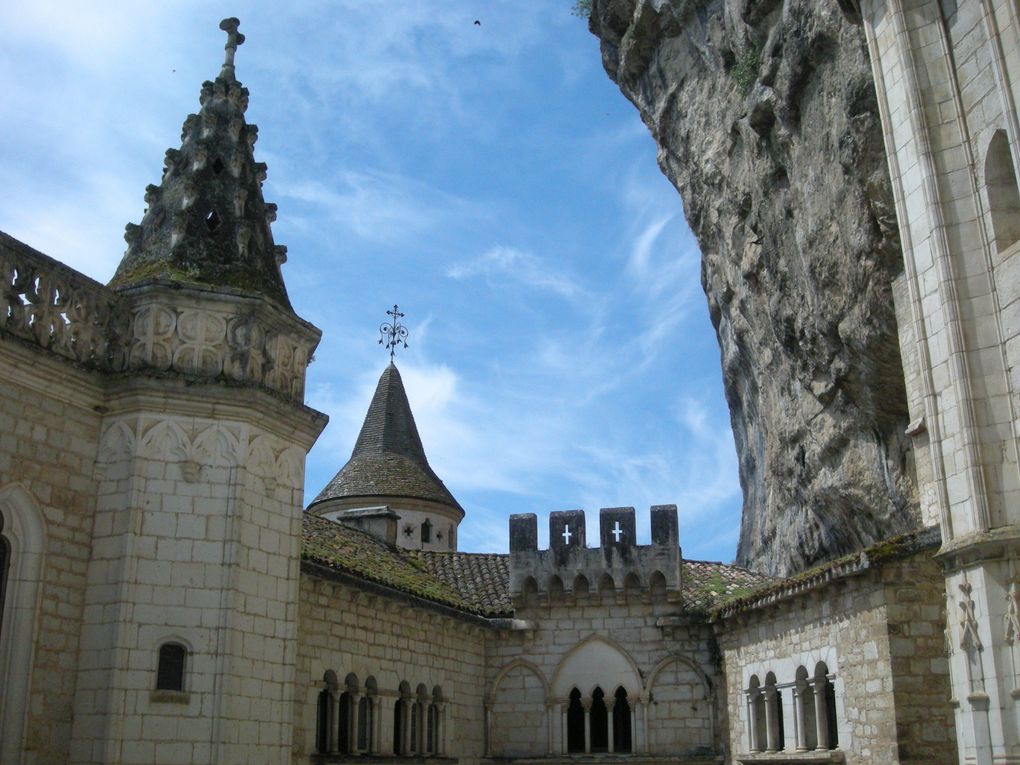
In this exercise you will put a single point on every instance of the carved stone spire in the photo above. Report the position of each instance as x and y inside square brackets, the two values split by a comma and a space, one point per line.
[206, 222]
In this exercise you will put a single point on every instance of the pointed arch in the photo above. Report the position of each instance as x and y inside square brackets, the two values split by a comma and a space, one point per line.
[516, 707]
[1003, 193]
[679, 690]
[518, 662]
[596, 660]
[23, 529]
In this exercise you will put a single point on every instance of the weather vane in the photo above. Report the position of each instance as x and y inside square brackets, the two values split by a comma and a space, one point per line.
[393, 333]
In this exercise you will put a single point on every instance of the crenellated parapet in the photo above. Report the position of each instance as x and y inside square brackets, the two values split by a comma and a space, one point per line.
[619, 566]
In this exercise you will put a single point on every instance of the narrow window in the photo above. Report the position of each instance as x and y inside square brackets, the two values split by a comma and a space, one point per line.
[344, 744]
[830, 712]
[170, 671]
[621, 722]
[426, 532]
[430, 744]
[322, 719]
[575, 723]
[398, 726]
[599, 722]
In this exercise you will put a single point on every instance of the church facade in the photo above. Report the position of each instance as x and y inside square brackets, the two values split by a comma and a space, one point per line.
[166, 597]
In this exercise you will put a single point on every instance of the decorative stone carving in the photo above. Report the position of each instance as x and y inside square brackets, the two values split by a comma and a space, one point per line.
[969, 638]
[53, 306]
[1011, 619]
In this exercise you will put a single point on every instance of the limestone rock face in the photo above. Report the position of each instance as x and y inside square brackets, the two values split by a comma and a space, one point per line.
[766, 120]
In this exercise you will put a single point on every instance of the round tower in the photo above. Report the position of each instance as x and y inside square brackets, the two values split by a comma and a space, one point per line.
[387, 487]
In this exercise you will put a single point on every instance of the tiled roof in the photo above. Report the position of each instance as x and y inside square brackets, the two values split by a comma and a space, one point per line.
[482, 579]
[774, 590]
[467, 582]
[479, 583]
[388, 459]
[705, 585]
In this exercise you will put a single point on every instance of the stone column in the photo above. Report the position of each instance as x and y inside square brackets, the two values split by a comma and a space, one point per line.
[488, 729]
[610, 703]
[563, 727]
[384, 745]
[640, 743]
[799, 717]
[587, 725]
[355, 713]
[550, 711]
[334, 727]
[376, 732]
[405, 732]
[440, 733]
[821, 717]
[752, 719]
[771, 721]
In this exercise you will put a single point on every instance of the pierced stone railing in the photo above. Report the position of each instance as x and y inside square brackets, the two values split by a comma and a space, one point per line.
[204, 334]
[57, 308]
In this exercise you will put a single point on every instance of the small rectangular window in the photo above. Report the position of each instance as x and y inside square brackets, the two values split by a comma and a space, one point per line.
[170, 673]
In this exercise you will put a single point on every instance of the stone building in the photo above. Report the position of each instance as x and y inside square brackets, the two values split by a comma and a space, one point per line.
[165, 599]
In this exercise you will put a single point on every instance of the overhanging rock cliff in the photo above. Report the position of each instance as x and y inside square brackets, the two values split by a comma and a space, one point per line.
[765, 116]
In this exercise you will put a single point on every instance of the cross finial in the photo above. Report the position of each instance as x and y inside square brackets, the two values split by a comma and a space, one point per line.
[393, 333]
[234, 38]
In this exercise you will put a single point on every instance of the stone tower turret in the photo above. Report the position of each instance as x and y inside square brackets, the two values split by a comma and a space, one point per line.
[206, 222]
[387, 486]
[190, 616]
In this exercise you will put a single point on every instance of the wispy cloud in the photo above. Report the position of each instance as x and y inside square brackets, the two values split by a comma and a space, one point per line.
[508, 263]
[381, 207]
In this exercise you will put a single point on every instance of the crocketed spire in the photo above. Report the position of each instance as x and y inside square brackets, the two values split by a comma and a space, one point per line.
[207, 223]
[388, 458]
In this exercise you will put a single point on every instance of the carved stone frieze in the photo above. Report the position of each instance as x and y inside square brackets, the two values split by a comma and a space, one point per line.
[223, 340]
[194, 445]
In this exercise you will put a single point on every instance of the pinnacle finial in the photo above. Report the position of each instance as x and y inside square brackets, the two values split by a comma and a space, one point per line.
[393, 332]
[234, 39]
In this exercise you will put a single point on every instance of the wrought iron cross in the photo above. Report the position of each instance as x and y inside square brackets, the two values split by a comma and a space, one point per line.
[393, 333]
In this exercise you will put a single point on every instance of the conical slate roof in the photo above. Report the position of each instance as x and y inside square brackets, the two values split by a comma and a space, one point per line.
[207, 222]
[388, 458]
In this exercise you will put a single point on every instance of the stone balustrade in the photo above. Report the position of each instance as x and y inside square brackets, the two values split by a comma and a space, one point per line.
[50, 305]
[193, 331]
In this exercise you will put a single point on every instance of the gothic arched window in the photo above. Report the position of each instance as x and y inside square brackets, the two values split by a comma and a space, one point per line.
[599, 721]
[575, 723]
[426, 532]
[621, 722]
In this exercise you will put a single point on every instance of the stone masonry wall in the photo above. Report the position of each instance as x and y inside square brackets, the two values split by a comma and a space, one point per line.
[349, 630]
[48, 435]
[606, 641]
[879, 634]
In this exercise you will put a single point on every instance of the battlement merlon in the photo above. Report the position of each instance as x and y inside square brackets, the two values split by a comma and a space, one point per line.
[575, 565]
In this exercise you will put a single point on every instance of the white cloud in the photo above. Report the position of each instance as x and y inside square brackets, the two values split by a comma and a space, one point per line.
[501, 262]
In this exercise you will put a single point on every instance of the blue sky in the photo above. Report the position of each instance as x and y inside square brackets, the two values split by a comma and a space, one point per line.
[487, 177]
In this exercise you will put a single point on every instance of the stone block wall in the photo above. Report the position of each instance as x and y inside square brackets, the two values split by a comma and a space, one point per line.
[196, 543]
[880, 636]
[348, 630]
[607, 641]
[48, 433]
